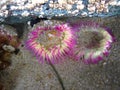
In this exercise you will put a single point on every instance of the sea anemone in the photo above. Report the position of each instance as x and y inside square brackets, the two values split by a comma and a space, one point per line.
[93, 42]
[8, 45]
[50, 43]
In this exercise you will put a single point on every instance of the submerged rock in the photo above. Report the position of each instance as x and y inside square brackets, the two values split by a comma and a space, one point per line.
[24, 10]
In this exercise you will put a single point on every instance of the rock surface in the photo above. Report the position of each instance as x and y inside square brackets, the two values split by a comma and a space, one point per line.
[26, 73]
[24, 10]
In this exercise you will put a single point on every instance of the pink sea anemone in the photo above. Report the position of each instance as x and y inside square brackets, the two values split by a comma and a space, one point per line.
[51, 43]
[93, 42]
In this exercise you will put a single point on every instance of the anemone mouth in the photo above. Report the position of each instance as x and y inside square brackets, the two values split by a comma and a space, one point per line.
[93, 43]
[51, 43]
[89, 39]
[50, 38]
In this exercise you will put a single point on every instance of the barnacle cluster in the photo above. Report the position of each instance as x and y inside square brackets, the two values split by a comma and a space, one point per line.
[52, 8]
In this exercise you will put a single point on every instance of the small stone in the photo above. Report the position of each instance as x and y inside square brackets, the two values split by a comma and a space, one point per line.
[38, 2]
[118, 4]
[71, 1]
[75, 11]
[4, 7]
[79, 2]
[68, 6]
[51, 5]
[80, 6]
[91, 8]
[113, 2]
[84, 14]
[104, 63]
[91, 1]
[62, 1]
[8, 48]
[25, 13]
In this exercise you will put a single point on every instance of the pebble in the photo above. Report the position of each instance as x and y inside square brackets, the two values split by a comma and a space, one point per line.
[8, 48]
[113, 2]
[75, 11]
[62, 1]
[104, 63]
[38, 1]
[91, 1]
[91, 8]
[84, 14]
[80, 6]
[80, 2]
[68, 6]
[118, 3]
[14, 7]
[25, 13]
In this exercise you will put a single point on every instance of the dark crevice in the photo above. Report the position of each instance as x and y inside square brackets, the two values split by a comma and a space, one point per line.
[57, 75]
